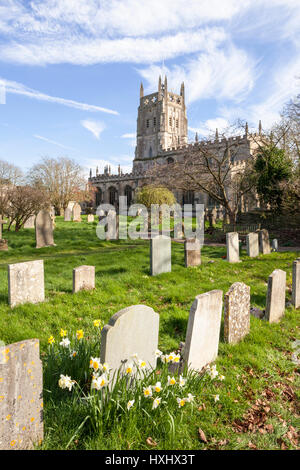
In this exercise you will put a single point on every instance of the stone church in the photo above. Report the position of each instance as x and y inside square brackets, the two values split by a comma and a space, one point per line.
[162, 136]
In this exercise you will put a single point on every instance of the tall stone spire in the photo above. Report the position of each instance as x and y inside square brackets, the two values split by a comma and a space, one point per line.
[260, 128]
[159, 84]
[182, 91]
[196, 137]
[217, 134]
[141, 90]
[166, 86]
[246, 128]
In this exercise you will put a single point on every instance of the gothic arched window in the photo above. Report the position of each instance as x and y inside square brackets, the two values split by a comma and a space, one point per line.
[113, 195]
[189, 197]
[128, 194]
[98, 196]
[150, 152]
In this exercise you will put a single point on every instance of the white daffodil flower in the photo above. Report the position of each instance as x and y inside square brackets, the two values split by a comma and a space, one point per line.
[156, 403]
[65, 342]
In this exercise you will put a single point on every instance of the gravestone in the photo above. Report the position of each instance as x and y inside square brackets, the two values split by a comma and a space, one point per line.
[275, 244]
[236, 312]
[160, 255]
[232, 242]
[30, 222]
[264, 242]
[296, 284]
[76, 213]
[26, 282]
[252, 244]
[83, 278]
[90, 218]
[133, 330]
[192, 252]
[214, 216]
[203, 330]
[3, 242]
[21, 388]
[43, 230]
[68, 215]
[275, 304]
[112, 225]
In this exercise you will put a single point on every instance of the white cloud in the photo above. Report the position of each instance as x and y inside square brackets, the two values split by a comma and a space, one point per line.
[95, 127]
[40, 137]
[20, 89]
[220, 74]
[208, 128]
[128, 136]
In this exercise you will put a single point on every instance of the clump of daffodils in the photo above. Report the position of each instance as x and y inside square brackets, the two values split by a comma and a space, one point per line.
[66, 382]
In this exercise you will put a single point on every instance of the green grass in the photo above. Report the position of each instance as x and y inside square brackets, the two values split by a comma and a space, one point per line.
[261, 362]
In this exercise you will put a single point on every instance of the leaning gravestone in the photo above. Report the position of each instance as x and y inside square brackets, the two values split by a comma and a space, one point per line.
[30, 222]
[252, 245]
[296, 284]
[26, 283]
[236, 312]
[21, 388]
[192, 252]
[83, 278]
[160, 255]
[44, 230]
[232, 242]
[68, 215]
[275, 304]
[133, 330]
[76, 213]
[264, 242]
[203, 330]
[90, 218]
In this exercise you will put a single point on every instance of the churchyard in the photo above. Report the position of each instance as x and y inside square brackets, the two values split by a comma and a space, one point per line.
[251, 403]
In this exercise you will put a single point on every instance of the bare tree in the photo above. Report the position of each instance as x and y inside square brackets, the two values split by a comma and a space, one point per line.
[9, 174]
[217, 169]
[61, 178]
[23, 202]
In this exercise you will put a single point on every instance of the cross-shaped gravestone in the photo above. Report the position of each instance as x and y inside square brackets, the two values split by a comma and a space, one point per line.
[2, 222]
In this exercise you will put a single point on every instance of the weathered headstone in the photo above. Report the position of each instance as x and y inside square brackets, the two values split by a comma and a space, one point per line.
[26, 282]
[192, 252]
[275, 304]
[252, 244]
[236, 312]
[133, 330]
[232, 242]
[30, 222]
[203, 330]
[44, 229]
[83, 278]
[296, 284]
[264, 242]
[112, 225]
[21, 388]
[67, 215]
[90, 218]
[275, 244]
[76, 213]
[160, 255]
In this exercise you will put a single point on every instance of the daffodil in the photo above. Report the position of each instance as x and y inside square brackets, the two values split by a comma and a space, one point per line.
[182, 381]
[176, 358]
[105, 367]
[189, 398]
[95, 363]
[142, 364]
[66, 382]
[158, 353]
[156, 403]
[212, 372]
[221, 377]
[216, 398]
[63, 333]
[51, 340]
[171, 380]
[73, 354]
[129, 368]
[147, 392]
[130, 404]
[157, 387]
[79, 334]
[65, 342]
[181, 402]
[99, 382]
[97, 323]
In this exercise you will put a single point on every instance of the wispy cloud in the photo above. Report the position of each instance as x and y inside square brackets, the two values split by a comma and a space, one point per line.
[49, 141]
[20, 89]
[95, 127]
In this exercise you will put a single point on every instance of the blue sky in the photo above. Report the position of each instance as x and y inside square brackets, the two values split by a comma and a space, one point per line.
[72, 69]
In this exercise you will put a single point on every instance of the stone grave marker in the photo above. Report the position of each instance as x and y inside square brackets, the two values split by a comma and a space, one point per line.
[68, 215]
[26, 283]
[133, 330]
[203, 330]
[3, 242]
[275, 244]
[30, 223]
[21, 388]
[83, 278]
[76, 213]
[192, 252]
[275, 304]
[264, 242]
[112, 225]
[252, 244]
[160, 255]
[236, 312]
[296, 283]
[90, 218]
[44, 230]
[232, 242]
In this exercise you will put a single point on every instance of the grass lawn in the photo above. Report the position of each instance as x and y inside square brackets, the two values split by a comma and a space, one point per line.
[258, 405]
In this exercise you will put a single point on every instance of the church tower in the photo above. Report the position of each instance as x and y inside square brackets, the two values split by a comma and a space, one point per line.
[161, 122]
